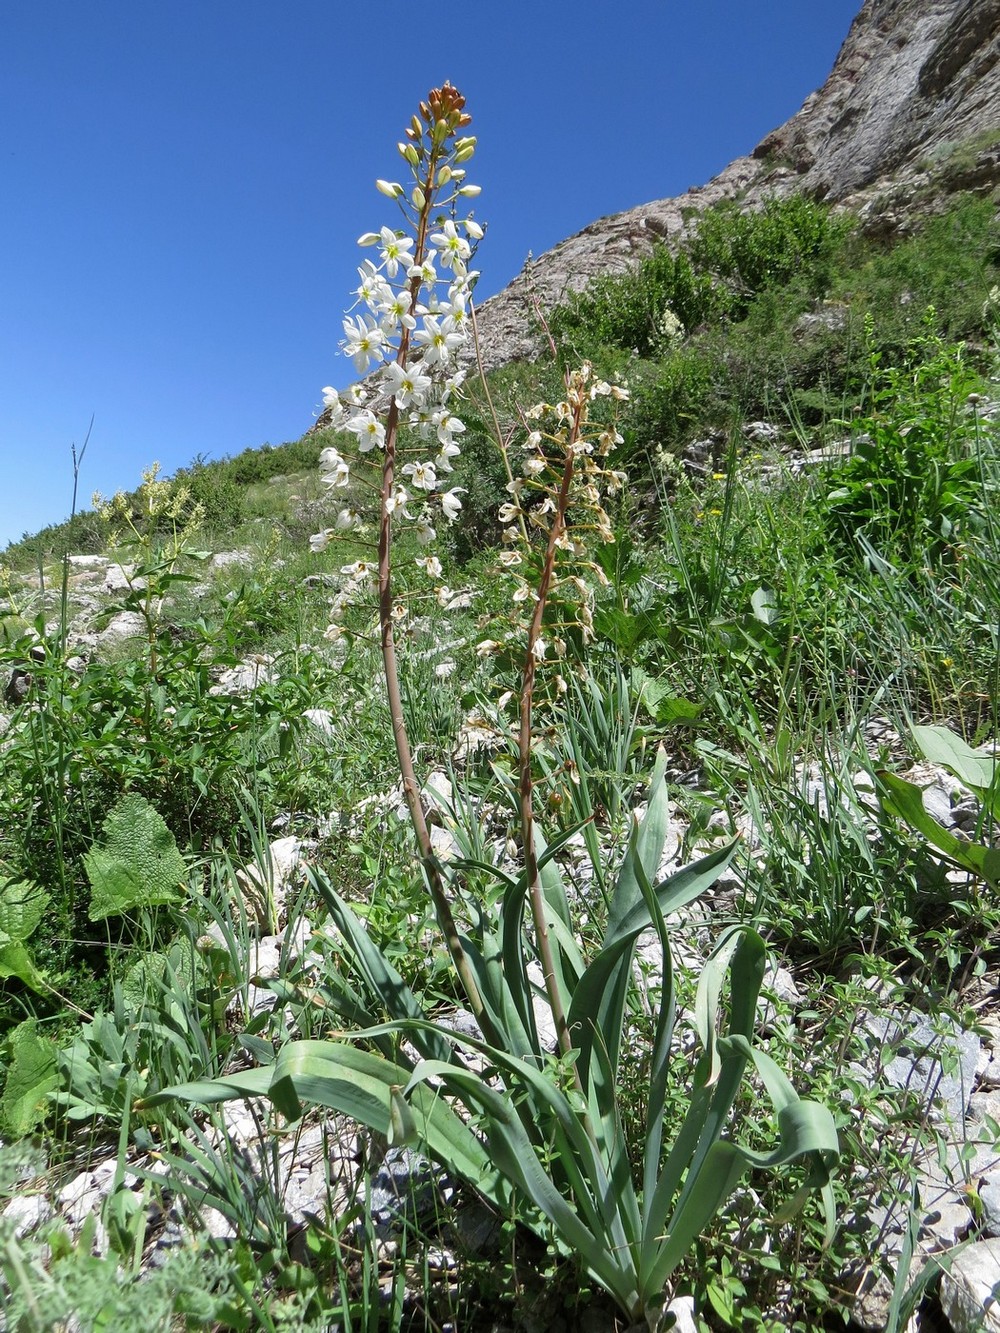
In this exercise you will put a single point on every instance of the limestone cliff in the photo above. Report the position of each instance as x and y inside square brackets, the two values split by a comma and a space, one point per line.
[913, 80]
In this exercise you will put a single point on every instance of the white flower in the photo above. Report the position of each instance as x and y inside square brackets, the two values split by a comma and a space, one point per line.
[426, 272]
[439, 339]
[396, 500]
[360, 569]
[486, 647]
[424, 532]
[406, 384]
[333, 405]
[431, 564]
[319, 541]
[510, 558]
[364, 341]
[421, 475]
[455, 249]
[444, 596]
[369, 430]
[334, 470]
[348, 518]
[538, 649]
[373, 289]
[451, 504]
[395, 311]
[444, 457]
[394, 250]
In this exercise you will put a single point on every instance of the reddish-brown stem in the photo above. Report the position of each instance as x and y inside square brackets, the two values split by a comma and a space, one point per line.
[411, 788]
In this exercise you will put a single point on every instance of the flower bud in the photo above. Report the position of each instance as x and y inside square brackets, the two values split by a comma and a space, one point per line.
[473, 229]
[389, 188]
[443, 176]
[470, 191]
[417, 198]
[369, 238]
[464, 148]
[408, 151]
[439, 133]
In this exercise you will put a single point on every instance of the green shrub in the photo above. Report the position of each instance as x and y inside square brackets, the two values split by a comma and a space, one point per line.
[911, 487]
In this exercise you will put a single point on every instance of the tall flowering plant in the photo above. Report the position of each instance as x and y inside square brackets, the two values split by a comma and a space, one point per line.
[407, 340]
[530, 1123]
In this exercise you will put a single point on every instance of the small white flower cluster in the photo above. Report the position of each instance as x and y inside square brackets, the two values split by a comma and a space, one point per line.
[408, 338]
[556, 512]
[671, 330]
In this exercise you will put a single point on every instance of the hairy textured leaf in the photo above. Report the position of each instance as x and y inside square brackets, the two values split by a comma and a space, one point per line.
[138, 864]
[21, 908]
[31, 1077]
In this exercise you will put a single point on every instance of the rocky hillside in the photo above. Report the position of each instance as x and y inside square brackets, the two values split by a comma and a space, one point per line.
[909, 113]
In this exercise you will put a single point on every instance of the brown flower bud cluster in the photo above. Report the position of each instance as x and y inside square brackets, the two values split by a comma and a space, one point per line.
[556, 514]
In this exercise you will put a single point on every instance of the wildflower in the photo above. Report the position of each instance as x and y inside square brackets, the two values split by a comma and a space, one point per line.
[451, 504]
[336, 474]
[360, 569]
[369, 430]
[455, 250]
[421, 475]
[439, 339]
[486, 647]
[538, 649]
[395, 248]
[431, 564]
[447, 452]
[319, 541]
[406, 384]
[348, 518]
[364, 342]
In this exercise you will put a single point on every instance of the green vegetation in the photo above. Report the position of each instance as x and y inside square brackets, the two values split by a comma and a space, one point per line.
[779, 627]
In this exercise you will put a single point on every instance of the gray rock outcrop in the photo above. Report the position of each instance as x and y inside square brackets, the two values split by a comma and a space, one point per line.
[913, 80]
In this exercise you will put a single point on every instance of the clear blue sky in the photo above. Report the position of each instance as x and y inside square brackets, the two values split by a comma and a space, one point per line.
[183, 185]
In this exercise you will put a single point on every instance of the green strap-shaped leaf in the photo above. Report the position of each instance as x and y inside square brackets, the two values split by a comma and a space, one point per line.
[599, 999]
[516, 1156]
[905, 801]
[384, 982]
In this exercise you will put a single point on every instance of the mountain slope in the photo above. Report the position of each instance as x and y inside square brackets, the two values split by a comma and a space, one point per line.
[914, 80]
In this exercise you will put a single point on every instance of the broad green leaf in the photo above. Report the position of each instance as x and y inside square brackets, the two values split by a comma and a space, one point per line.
[22, 906]
[15, 961]
[904, 800]
[138, 865]
[32, 1076]
[941, 746]
[599, 999]
[764, 605]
